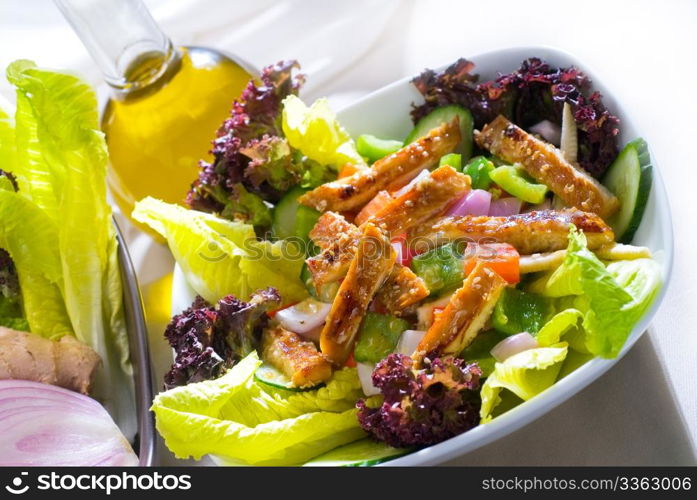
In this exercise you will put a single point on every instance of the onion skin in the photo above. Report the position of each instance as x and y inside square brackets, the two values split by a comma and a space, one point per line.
[45, 425]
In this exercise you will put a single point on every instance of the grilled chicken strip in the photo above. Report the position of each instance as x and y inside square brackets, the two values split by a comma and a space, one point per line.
[371, 265]
[532, 232]
[402, 289]
[427, 198]
[547, 165]
[352, 192]
[338, 240]
[464, 316]
[295, 357]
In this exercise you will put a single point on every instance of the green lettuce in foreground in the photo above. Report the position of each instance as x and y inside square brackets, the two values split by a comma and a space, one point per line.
[525, 374]
[31, 239]
[221, 257]
[610, 299]
[58, 226]
[597, 306]
[242, 420]
[316, 132]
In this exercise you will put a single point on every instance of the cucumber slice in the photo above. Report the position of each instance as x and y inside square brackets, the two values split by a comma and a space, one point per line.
[629, 178]
[443, 115]
[361, 453]
[269, 375]
[290, 219]
[326, 292]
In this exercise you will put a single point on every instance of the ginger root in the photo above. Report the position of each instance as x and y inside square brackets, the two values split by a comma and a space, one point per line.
[66, 362]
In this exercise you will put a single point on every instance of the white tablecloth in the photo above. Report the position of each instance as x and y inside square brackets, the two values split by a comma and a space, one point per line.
[644, 411]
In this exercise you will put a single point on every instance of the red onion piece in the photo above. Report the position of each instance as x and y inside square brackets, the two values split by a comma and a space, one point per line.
[550, 131]
[45, 425]
[513, 345]
[409, 341]
[475, 202]
[365, 375]
[398, 246]
[503, 207]
[304, 317]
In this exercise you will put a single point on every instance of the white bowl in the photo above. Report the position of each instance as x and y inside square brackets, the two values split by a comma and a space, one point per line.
[385, 113]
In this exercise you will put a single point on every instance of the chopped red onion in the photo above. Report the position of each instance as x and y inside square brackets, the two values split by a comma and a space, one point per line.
[503, 207]
[513, 345]
[475, 202]
[398, 246]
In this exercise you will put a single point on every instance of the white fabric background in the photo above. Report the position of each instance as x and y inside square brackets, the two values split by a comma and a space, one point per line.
[644, 411]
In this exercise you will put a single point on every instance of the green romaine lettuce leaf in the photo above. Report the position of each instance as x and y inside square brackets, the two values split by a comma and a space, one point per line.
[525, 374]
[557, 326]
[316, 132]
[221, 257]
[244, 421]
[610, 299]
[31, 239]
[7, 137]
[61, 161]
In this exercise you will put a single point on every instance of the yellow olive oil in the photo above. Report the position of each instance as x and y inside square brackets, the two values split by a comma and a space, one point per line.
[157, 133]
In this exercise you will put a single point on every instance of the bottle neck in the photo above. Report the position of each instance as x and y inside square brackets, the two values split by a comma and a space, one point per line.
[124, 40]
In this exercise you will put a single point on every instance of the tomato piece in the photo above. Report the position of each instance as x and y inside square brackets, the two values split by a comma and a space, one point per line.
[501, 258]
[351, 361]
[373, 207]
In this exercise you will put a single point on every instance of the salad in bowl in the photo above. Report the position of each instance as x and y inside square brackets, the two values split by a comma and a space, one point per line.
[354, 297]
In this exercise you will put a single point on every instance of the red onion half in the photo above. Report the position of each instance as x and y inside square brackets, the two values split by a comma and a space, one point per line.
[45, 425]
